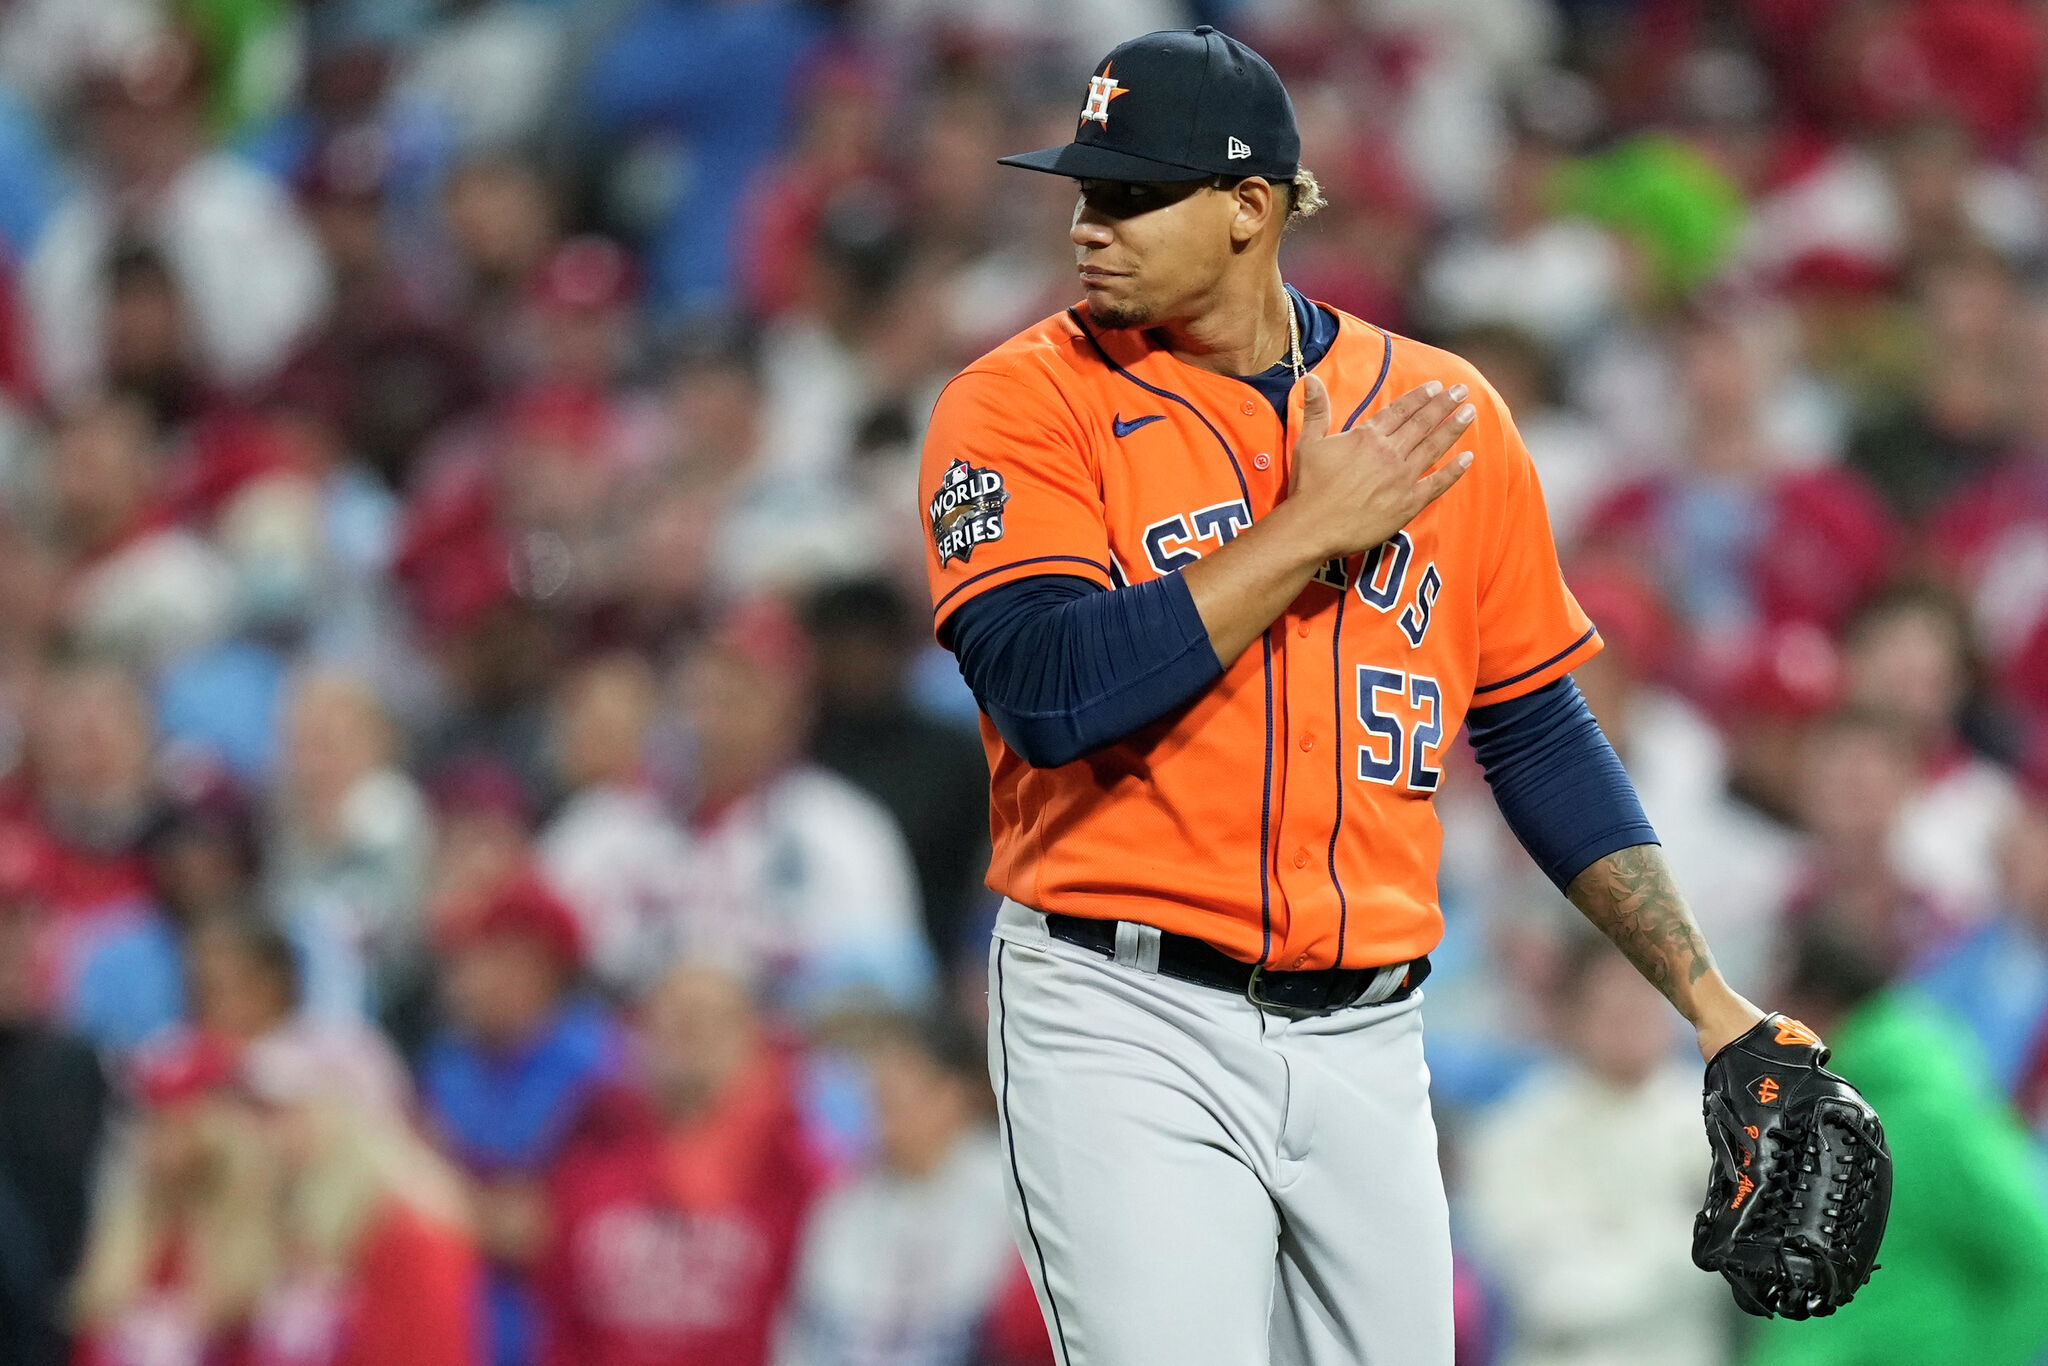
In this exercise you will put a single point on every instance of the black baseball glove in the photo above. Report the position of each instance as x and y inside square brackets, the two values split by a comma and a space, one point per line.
[1802, 1180]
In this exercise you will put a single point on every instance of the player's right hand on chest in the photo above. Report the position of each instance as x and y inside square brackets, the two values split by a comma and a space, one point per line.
[1353, 489]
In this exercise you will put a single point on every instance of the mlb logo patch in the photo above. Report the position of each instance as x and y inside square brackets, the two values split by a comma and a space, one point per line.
[967, 511]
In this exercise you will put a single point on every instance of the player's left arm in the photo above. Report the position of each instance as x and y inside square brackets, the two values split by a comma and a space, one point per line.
[1801, 1183]
[1631, 897]
[1563, 791]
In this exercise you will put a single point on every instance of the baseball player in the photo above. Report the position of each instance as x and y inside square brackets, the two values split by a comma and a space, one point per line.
[1227, 570]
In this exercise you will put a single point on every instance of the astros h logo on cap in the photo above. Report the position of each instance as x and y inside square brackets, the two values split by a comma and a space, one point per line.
[1189, 104]
[1101, 90]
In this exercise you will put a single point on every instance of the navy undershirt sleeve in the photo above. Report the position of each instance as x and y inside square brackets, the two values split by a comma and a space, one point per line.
[1064, 668]
[1557, 780]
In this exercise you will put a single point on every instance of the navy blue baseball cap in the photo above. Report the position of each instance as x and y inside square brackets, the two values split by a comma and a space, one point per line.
[1177, 105]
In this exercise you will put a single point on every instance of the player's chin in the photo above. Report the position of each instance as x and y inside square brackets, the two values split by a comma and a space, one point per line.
[1107, 311]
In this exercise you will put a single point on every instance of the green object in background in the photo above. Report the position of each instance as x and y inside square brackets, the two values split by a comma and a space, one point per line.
[252, 58]
[1662, 195]
[1964, 1266]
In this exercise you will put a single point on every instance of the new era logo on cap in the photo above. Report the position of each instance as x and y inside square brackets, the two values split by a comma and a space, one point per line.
[1203, 104]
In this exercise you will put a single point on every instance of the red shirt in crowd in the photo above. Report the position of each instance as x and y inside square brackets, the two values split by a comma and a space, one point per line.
[677, 1250]
[1992, 541]
[64, 878]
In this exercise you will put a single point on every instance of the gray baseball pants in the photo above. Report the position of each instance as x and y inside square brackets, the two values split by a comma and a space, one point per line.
[1198, 1182]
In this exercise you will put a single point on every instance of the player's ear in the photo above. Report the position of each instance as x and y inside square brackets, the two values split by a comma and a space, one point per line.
[1257, 200]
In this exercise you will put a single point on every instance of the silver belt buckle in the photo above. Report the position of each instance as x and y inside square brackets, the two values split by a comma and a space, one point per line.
[1251, 993]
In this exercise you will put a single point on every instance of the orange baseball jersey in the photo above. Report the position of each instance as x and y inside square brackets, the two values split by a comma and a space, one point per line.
[1285, 815]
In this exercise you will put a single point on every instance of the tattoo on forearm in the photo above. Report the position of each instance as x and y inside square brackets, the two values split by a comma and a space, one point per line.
[1630, 896]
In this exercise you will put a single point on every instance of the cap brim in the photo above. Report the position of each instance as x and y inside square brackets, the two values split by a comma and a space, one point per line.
[1084, 161]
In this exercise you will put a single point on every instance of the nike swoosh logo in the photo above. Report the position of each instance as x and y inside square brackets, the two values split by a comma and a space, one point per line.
[1123, 428]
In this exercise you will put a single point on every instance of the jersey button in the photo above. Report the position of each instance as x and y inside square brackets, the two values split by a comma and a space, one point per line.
[1299, 959]
[1308, 742]
[1301, 629]
[1301, 858]
[1250, 407]
[1261, 461]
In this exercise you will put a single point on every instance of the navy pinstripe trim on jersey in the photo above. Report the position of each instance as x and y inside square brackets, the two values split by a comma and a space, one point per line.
[1266, 811]
[1245, 491]
[1337, 823]
[1386, 364]
[1016, 1175]
[1565, 653]
[1337, 675]
[1001, 568]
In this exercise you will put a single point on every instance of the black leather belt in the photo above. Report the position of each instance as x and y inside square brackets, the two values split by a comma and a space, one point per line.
[1319, 991]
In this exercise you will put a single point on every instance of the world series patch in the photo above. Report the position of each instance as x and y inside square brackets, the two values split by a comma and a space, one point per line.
[967, 511]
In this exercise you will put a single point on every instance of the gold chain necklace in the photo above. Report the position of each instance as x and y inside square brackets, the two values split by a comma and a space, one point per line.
[1293, 342]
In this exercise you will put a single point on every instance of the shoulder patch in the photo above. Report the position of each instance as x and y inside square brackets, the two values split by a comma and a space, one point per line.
[967, 511]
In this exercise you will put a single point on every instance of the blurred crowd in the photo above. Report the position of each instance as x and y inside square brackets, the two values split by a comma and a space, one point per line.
[490, 856]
